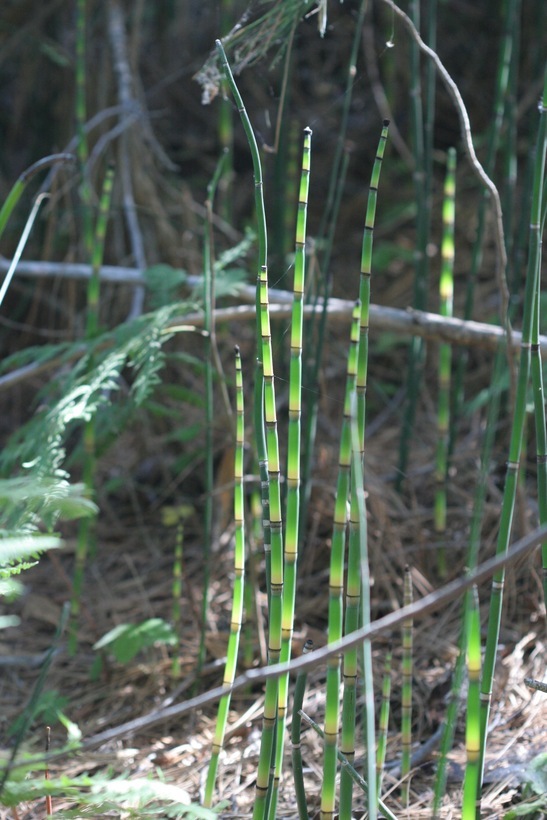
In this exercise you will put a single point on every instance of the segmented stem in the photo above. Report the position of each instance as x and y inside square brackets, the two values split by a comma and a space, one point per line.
[470, 809]
[365, 281]
[446, 294]
[293, 455]
[336, 581]
[239, 583]
[406, 694]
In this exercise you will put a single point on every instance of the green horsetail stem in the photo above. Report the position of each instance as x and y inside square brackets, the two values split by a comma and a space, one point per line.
[350, 666]
[357, 588]
[293, 457]
[470, 809]
[519, 417]
[239, 585]
[296, 727]
[383, 722]
[336, 581]
[406, 691]
[357, 615]
[258, 399]
[365, 649]
[364, 285]
[86, 536]
[446, 298]
[354, 774]
[276, 535]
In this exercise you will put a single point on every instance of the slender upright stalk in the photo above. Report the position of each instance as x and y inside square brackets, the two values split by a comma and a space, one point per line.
[336, 582]
[446, 293]
[258, 402]
[365, 650]
[365, 282]
[293, 455]
[406, 695]
[239, 584]
[354, 774]
[276, 592]
[515, 446]
[383, 723]
[470, 810]
[298, 700]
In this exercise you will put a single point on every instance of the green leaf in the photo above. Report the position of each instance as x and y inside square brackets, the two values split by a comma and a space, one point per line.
[13, 549]
[127, 640]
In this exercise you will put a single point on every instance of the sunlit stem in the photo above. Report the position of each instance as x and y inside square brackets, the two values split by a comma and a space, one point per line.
[293, 456]
[446, 296]
[239, 584]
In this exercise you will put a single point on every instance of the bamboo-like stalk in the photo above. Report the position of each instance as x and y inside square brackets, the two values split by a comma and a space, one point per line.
[365, 282]
[470, 810]
[350, 665]
[293, 458]
[357, 585]
[239, 584]
[365, 650]
[354, 774]
[383, 722]
[86, 535]
[276, 591]
[336, 582]
[262, 235]
[296, 726]
[406, 692]
[446, 296]
[509, 494]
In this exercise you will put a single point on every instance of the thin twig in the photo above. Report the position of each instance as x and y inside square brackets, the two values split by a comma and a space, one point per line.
[116, 30]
